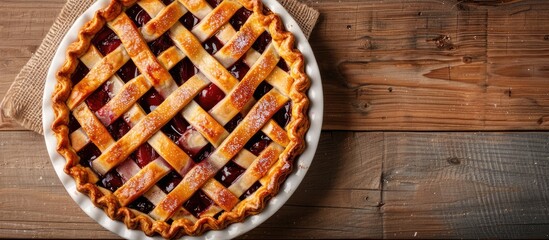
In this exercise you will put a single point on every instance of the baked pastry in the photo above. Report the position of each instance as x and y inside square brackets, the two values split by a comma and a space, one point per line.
[177, 117]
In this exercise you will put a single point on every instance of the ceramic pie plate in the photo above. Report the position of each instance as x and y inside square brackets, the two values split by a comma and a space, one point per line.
[301, 166]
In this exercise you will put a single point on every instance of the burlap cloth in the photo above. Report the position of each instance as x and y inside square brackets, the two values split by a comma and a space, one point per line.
[23, 101]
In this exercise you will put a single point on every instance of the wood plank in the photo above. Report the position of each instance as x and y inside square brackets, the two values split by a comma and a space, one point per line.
[433, 65]
[338, 187]
[466, 185]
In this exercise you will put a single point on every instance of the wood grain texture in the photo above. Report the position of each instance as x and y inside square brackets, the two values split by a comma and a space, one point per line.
[433, 65]
[361, 185]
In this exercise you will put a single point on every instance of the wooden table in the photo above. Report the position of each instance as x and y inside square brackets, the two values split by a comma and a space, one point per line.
[423, 102]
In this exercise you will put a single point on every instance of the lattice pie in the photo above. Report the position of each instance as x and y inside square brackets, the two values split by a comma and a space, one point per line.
[177, 117]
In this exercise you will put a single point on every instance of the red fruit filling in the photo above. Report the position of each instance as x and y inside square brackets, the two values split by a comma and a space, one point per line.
[204, 153]
[79, 73]
[258, 143]
[189, 20]
[167, 2]
[139, 16]
[150, 100]
[261, 90]
[142, 204]
[169, 182]
[214, 3]
[73, 124]
[118, 129]
[197, 203]
[239, 69]
[262, 42]
[128, 72]
[283, 116]
[251, 190]
[87, 154]
[161, 44]
[282, 65]
[209, 96]
[231, 125]
[111, 181]
[239, 18]
[229, 173]
[212, 45]
[175, 127]
[144, 155]
[100, 97]
[183, 70]
[106, 41]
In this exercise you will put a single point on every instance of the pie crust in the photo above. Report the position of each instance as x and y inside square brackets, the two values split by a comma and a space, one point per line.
[269, 167]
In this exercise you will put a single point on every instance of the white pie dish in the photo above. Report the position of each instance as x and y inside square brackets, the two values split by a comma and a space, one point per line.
[288, 187]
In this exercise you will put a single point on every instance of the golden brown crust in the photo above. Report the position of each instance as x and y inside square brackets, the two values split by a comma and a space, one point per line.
[284, 42]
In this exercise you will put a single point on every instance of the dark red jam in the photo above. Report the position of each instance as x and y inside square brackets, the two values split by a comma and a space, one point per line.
[144, 155]
[106, 41]
[262, 42]
[87, 154]
[150, 100]
[209, 96]
[189, 20]
[231, 125]
[197, 203]
[161, 44]
[100, 97]
[212, 45]
[239, 18]
[73, 124]
[176, 127]
[79, 73]
[138, 15]
[111, 181]
[183, 70]
[142, 204]
[239, 69]
[229, 173]
[169, 182]
[251, 190]
[282, 65]
[118, 128]
[283, 116]
[258, 143]
[262, 89]
[214, 3]
[128, 71]
[204, 153]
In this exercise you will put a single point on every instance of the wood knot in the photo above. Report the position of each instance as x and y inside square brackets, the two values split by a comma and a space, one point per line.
[390, 89]
[467, 59]
[362, 106]
[443, 42]
[546, 37]
[454, 160]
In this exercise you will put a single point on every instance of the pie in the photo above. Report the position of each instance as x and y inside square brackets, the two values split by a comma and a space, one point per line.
[177, 117]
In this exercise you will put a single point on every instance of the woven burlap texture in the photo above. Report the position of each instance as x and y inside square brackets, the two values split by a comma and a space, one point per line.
[23, 101]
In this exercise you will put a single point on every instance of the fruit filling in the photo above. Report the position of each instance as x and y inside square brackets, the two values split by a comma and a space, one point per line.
[138, 15]
[128, 71]
[100, 97]
[175, 128]
[283, 116]
[144, 154]
[189, 20]
[261, 90]
[142, 204]
[169, 182]
[73, 124]
[240, 18]
[151, 100]
[197, 203]
[118, 128]
[106, 41]
[231, 125]
[183, 70]
[262, 42]
[209, 96]
[258, 143]
[87, 154]
[229, 173]
[111, 181]
[161, 44]
[239, 69]
[212, 45]
[214, 3]
[79, 73]
[251, 190]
